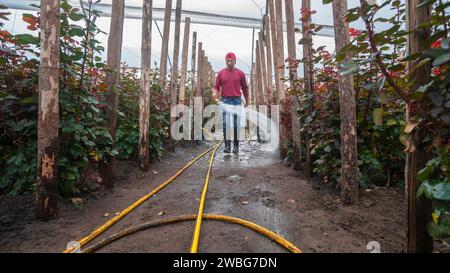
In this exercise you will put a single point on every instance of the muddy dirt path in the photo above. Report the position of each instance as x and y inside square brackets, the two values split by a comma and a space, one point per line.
[254, 185]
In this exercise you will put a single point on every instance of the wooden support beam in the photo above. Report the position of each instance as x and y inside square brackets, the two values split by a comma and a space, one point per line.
[205, 76]
[349, 155]
[263, 68]
[165, 44]
[174, 76]
[273, 31]
[268, 44]
[108, 169]
[184, 57]
[252, 85]
[280, 47]
[176, 53]
[285, 113]
[201, 72]
[296, 136]
[258, 87]
[419, 208]
[193, 65]
[199, 75]
[48, 115]
[144, 99]
[308, 75]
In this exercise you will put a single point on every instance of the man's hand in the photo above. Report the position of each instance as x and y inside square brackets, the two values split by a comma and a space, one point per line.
[245, 103]
[215, 95]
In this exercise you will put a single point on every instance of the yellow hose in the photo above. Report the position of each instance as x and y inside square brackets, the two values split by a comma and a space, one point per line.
[123, 213]
[188, 217]
[198, 222]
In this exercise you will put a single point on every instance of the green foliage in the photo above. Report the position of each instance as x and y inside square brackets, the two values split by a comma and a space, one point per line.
[428, 126]
[127, 135]
[84, 141]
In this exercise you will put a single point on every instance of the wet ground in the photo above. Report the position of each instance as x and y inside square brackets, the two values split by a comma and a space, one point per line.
[254, 185]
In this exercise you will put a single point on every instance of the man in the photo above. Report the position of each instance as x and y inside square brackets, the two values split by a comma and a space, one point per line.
[229, 82]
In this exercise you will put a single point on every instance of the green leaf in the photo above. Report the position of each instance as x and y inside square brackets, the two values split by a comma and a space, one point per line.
[349, 68]
[440, 191]
[436, 98]
[76, 31]
[441, 59]
[368, 86]
[411, 57]
[391, 122]
[25, 39]
[76, 150]
[66, 6]
[351, 17]
[424, 174]
[28, 100]
[75, 16]
[378, 116]
[445, 44]
[435, 52]
[441, 230]
[426, 3]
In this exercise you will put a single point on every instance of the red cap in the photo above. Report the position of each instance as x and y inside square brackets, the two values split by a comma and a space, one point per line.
[230, 55]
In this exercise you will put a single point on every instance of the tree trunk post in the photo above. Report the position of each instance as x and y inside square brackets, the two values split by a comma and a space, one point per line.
[184, 58]
[144, 99]
[293, 76]
[419, 209]
[48, 116]
[107, 169]
[349, 155]
[165, 44]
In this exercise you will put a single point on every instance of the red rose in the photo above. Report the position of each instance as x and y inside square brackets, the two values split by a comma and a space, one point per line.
[354, 32]
[436, 44]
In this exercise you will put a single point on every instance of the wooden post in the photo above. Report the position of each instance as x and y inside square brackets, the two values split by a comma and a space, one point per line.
[176, 44]
[184, 56]
[194, 80]
[284, 112]
[296, 137]
[204, 69]
[193, 61]
[210, 74]
[206, 83]
[107, 169]
[269, 60]
[274, 47]
[258, 87]
[308, 73]
[48, 116]
[174, 76]
[202, 72]
[263, 68]
[349, 155]
[210, 71]
[144, 99]
[252, 85]
[258, 76]
[280, 46]
[199, 75]
[419, 209]
[165, 44]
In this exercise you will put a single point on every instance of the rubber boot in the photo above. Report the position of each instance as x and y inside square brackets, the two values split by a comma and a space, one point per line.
[236, 147]
[227, 146]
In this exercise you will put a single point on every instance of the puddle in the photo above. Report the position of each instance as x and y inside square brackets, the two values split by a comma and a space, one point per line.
[250, 155]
